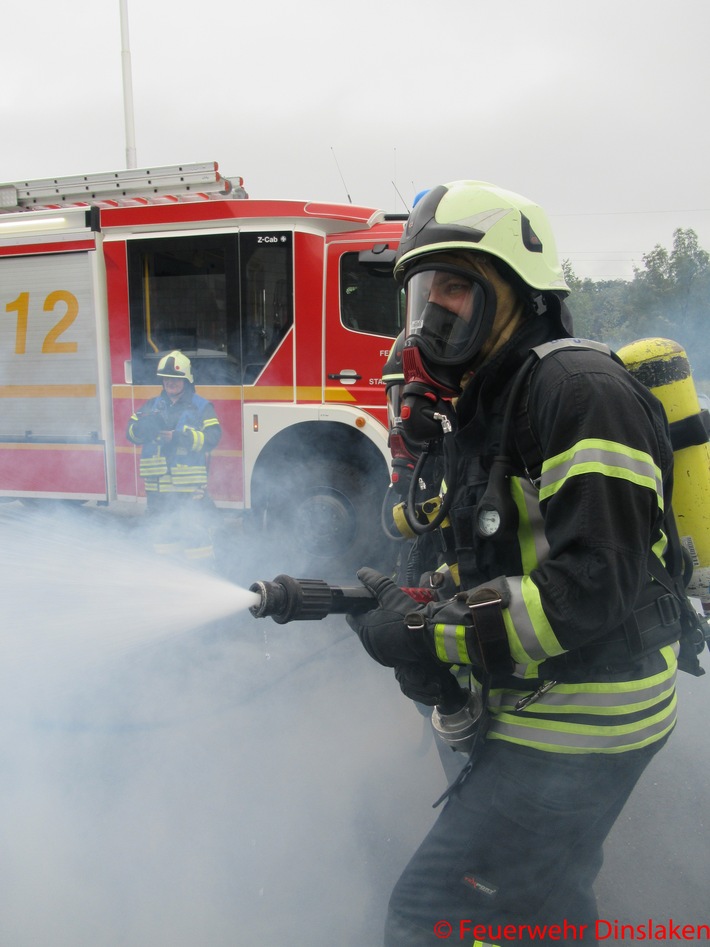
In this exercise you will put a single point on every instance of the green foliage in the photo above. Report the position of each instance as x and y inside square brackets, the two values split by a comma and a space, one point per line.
[669, 296]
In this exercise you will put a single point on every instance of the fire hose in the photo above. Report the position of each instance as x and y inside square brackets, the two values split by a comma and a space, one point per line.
[456, 718]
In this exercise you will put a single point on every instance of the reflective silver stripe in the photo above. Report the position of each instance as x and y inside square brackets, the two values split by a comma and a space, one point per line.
[450, 643]
[530, 634]
[610, 703]
[589, 698]
[524, 671]
[534, 547]
[187, 473]
[153, 466]
[198, 438]
[558, 345]
[609, 458]
[570, 738]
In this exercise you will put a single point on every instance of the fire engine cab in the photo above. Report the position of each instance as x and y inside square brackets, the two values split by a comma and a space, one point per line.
[287, 310]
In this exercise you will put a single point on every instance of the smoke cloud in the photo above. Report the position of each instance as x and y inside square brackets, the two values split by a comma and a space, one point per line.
[173, 775]
[174, 771]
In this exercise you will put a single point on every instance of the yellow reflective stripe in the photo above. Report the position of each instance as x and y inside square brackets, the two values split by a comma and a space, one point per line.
[526, 539]
[659, 548]
[604, 731]
[602, 699]
[603, 708]
[534, 548]
[609, 458]
[572, 739]
[187, 479]
[450, 643]
[530, 635]
[198, 439]
[153, 467]
[517, 651]
[607, 701]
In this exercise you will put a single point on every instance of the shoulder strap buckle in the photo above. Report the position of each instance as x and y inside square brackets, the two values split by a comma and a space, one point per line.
[668, 609]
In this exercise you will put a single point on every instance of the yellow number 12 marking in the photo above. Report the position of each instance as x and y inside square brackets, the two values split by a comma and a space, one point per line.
[51, 345]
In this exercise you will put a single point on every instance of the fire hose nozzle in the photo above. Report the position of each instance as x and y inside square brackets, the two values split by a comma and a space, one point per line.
[288, 599]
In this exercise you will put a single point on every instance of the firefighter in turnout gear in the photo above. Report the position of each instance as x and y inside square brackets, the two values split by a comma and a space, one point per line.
[557, 488]
[176, 431]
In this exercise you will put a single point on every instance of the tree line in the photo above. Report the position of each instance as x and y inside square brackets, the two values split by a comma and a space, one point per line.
[669, 296]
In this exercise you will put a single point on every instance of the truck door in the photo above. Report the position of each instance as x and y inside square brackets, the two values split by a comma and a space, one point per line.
[55, 420]
[226, 301]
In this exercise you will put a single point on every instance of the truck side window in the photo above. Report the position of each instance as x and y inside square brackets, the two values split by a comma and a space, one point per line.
[266, 267]
[370, 299]
[225, 300]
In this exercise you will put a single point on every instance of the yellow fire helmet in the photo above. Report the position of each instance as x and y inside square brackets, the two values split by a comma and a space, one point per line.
[175, 365]
[475, 215]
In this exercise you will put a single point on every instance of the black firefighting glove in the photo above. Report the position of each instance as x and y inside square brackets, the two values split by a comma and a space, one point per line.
[424, 682]
[441, 581]
[383, 631]
[468, 628]
[147, 427]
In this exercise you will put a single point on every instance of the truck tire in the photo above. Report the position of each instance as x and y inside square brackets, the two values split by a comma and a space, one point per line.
[326, 521]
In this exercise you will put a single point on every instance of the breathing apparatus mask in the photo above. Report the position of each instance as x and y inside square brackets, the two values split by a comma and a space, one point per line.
[449, 315]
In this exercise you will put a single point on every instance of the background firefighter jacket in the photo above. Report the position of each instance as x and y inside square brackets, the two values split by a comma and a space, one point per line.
[578, 568]
[180, 464]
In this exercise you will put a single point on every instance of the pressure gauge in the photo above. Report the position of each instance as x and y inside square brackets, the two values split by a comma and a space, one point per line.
[488, 521]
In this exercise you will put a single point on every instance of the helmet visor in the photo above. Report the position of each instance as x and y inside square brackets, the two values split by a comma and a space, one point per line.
[449, 312]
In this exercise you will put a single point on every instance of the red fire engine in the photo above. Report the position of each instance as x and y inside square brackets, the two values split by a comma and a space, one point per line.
[287, 310]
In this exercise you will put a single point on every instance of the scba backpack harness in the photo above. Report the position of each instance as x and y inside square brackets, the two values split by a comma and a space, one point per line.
[668, 615]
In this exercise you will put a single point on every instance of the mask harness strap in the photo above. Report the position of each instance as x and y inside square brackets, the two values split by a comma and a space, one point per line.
[449, 478]
[496, 505]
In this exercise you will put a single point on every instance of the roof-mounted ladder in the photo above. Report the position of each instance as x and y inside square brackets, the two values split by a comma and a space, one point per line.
[178, 182]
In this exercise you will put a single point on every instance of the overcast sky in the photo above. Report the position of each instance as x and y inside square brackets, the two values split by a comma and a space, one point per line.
[598, 111]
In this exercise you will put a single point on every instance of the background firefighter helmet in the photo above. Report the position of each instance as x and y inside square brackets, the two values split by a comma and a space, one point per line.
[475, 215]
[175, 365]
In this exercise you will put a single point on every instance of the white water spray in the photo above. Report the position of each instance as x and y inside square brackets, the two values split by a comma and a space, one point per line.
[74, 595]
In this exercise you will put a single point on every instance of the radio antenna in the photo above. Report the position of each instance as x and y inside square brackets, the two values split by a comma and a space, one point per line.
[350, 200]
[401, 198]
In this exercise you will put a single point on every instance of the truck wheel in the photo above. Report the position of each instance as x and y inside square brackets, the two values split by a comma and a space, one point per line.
[328, 519]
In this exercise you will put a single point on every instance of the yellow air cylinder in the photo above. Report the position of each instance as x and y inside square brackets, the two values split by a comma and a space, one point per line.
[662, 365]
